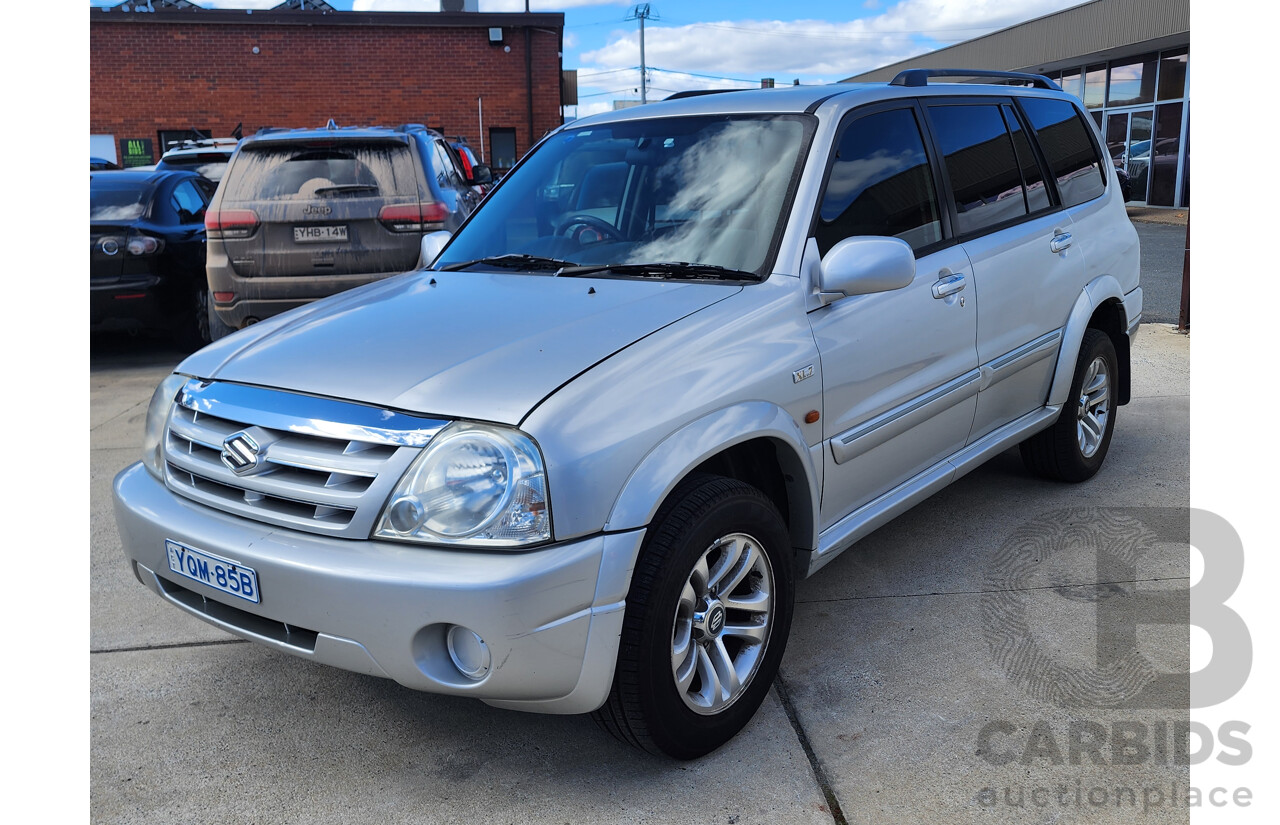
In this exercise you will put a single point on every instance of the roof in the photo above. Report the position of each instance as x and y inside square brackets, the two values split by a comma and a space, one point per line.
[314, 14]
[797, 99]
[335, 132]
[783, 99]
[138, 176]
[1090, 32]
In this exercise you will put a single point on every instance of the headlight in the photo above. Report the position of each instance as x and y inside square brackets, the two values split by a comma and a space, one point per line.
[157, 418]
[473, 485]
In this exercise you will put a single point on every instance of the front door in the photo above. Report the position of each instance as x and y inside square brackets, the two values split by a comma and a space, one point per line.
[900, 367]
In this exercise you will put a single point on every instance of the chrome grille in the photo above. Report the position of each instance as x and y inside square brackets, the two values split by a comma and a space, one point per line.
[325, 466]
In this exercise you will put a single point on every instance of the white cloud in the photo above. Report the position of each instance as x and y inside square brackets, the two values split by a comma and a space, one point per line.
[812, 49]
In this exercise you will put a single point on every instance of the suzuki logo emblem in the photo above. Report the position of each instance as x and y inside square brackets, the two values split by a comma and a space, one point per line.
[715, 620]
[240, 453]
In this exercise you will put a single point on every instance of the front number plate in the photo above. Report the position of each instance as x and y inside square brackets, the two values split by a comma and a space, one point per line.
[208, 569]
[319, 234]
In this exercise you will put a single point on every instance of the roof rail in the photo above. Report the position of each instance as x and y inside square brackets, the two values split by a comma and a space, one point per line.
[699, 93]
[920, 77]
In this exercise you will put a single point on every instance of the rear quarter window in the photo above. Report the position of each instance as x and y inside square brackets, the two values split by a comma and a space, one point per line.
[1070, 151]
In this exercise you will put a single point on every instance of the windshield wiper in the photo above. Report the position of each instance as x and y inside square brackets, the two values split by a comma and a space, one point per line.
[665, 269]
[347, 187]
[513, 261]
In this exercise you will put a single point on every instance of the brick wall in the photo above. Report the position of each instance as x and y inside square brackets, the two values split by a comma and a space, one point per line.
[149, 73]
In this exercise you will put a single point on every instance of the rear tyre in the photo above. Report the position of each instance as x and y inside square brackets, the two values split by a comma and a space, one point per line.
[707, 619]
[1074, 448]
[192, 330]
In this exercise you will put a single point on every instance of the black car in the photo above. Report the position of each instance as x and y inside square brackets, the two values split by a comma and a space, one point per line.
[147, 251]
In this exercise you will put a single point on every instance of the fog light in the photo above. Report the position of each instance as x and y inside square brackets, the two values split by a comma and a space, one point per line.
[469, 653]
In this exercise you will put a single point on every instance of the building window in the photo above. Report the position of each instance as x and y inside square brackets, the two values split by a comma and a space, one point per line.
[1164, 154]
[1073, 83]
[502, 148]
[1095, 86]
[1173, 75]
[1133, 82]
[176, 136]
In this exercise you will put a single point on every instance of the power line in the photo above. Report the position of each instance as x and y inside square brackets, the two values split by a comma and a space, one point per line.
[610, 71]
[870, 35]
[707, 76]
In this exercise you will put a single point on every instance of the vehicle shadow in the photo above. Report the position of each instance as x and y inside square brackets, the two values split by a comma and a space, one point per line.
[122, 350]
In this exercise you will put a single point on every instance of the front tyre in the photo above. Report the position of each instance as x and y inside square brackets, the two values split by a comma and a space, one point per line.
[707, 619]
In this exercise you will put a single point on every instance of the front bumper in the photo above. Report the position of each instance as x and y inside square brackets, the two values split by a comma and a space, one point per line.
[551, 617]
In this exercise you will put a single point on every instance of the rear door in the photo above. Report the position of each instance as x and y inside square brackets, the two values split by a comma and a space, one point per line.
[318, 205]
[1018, 240]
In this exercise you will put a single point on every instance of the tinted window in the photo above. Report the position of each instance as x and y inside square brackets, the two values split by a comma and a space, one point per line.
[446, 174]
[187, 202]
[1173, 74]
[1133, 82]
[981, 166]
[880, 184]
[1032, 176]
[122, 202]
[213, 165]
[1072, 156]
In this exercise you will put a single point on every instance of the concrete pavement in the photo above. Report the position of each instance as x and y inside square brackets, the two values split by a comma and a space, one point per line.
[899, 700]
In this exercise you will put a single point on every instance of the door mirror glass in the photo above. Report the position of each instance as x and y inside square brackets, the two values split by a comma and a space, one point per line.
[481, 174]
[865, 264]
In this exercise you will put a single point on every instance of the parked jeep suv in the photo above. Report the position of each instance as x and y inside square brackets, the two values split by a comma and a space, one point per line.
[305, 213]
[682, 356]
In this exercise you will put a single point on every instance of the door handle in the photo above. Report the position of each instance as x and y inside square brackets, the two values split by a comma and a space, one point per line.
[1060, 243]
[948, 286]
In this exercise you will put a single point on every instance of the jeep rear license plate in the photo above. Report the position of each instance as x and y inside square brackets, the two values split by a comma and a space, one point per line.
[319, 234]
[214, 571]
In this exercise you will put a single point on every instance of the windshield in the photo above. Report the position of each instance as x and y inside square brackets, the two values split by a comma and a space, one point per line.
[704, 190]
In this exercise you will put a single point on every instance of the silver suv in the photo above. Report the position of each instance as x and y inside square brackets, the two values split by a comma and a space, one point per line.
[682, 356]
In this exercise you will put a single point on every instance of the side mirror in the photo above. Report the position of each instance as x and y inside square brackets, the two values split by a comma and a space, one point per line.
[432, 243]
[481, 174]
[865, 264]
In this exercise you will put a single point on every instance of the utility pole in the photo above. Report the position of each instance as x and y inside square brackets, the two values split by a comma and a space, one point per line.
[642, 13]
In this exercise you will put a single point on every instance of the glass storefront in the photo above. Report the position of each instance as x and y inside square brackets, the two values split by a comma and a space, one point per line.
[1140, 105]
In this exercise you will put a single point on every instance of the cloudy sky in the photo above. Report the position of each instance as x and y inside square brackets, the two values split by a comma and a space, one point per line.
[700, 44]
